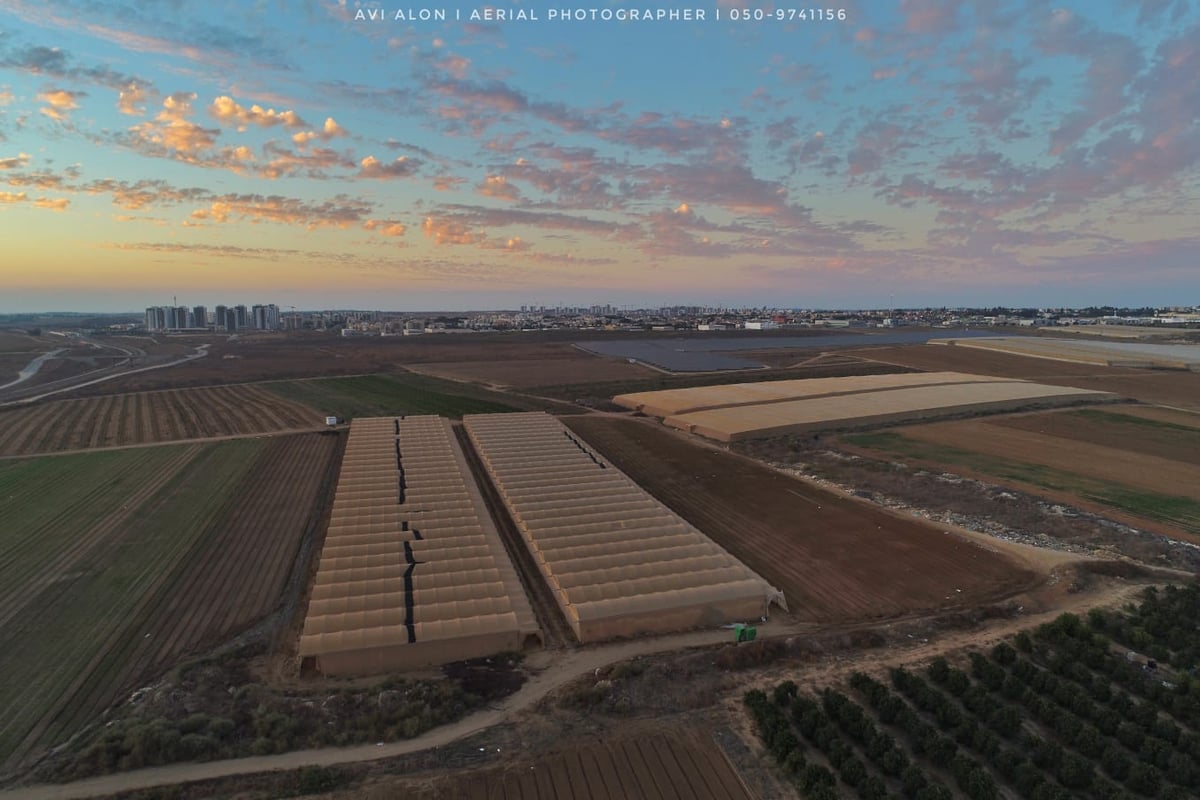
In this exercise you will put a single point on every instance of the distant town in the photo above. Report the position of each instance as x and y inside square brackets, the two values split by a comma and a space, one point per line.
[242, 318]
[269, 317]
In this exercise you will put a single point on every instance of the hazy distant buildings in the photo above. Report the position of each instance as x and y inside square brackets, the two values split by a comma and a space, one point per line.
[225, 318]
[266, 318]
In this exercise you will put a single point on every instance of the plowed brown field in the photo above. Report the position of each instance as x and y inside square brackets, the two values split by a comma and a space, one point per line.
[658, 767]
[834, 558]
[148, 417]
[1165, 387]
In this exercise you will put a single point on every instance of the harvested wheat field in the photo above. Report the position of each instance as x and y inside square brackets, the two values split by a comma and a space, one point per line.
[875, 408]
[670, 402]
[836, 559]
[149, 417]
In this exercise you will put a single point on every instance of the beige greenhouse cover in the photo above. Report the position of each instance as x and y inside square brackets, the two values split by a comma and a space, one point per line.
[412, 571]
[619, 562]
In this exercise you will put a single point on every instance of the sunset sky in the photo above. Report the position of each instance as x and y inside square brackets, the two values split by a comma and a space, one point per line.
[920, 152]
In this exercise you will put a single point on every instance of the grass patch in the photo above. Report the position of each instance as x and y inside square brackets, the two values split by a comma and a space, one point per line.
[386, 395]
[1175, 510]
[82, 601]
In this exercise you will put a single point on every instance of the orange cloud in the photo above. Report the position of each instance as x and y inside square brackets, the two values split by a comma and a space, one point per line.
[284, 162]
[498, 186]
[447, 183]
[172, 129]
[340, 212]
[402, 167]
[329, 131]
[19, 160]
[450, 232]
[226, 109]
[60, 103]
[13, 197]
[130, 99]
[55, 204]
[513, 244]
[6, 97]
[385, 227]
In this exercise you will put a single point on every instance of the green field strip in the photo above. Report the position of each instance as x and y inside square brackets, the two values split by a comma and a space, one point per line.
[194, 510]
[1117, 418]
[78, 627]
[384, 395]
[1173, 509]
[40, 498]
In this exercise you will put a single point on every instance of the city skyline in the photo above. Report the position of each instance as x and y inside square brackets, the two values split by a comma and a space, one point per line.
[915, 154]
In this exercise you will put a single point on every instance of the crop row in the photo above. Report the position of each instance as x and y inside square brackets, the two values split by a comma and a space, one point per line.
[1059, 715]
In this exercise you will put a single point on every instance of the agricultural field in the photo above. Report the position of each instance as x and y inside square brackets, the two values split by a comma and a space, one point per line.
[149, 417]
[572, 367]
[817, 367]
[1055, 713]
[133, 558]
[1143, 468]
[278, 356]
[400, 394]
[655, 767]
[1159, 387]
[834, 558]
[890, 405]
[1139, 354]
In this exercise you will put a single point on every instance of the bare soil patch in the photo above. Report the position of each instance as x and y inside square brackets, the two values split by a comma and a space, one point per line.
[1116, 428]
[836, 559]
[663, 765]
[524, 373]
[1114, 464]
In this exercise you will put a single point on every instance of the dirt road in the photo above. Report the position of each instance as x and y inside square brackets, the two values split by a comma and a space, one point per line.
[565, 668]
[555, 670]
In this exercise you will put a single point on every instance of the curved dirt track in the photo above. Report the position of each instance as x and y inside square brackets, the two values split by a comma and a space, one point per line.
[566, 667]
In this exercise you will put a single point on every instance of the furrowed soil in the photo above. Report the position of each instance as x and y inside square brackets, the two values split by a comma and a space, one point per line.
[684, 765]
[149, 417]
[834, 558]
[135, 558]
